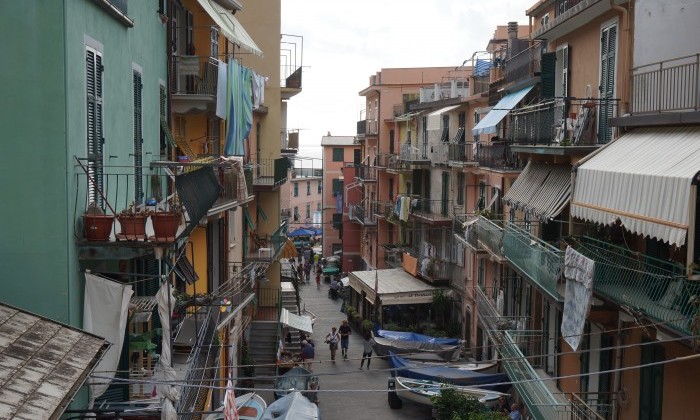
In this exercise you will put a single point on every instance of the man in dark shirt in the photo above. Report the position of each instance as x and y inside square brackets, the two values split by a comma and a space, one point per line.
[345, 332]
[307, 354]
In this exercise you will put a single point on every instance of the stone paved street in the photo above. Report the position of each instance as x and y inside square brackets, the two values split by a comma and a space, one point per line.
[345, 374]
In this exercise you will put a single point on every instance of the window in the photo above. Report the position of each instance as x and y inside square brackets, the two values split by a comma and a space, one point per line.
[481, 274]
[308, 187]
[338, 154]
[214, 34]
[94, 119]
[445, 136]
[320, 187]
[296, 189]
[318, 206]
[138, 137]
[460, 188]
[391, 189]
[528, 222]
[482, 195]
[337, 187]
[308, 211]
[296, 214]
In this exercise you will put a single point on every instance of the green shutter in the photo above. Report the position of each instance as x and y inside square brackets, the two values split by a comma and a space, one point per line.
[548, 67]
[93, 82]
[165, 130]
[248, 219]
[138, 138]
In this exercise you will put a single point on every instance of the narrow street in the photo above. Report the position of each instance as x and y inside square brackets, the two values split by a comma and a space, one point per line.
[344, 386]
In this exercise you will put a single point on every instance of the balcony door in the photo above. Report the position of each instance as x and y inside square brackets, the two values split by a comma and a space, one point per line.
[651, 383]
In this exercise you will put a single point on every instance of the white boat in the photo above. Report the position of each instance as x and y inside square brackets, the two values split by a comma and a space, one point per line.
[250, 406]
[460, 364]
[420, 391]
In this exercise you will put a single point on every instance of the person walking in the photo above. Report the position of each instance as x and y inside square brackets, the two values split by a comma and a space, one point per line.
[307, 270]
[345, 332]
[332, 339]
[300, 273]
[367, 342]
[318, 279]
[307, 354]
[317, 257]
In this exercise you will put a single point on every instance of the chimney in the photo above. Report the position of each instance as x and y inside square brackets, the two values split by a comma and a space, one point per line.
[512, 38]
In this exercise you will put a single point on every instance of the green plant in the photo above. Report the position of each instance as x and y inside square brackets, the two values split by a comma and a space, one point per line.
[247, 362]
[173, 205]
[367, 326]
[452, 405]
[144, 342]
[358, 319]
[134, 210]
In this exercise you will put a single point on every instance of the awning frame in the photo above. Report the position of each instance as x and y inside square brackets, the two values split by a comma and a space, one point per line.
[489, 123]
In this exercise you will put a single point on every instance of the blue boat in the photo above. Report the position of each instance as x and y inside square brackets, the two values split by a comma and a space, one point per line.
[411, 336]
[446, 374]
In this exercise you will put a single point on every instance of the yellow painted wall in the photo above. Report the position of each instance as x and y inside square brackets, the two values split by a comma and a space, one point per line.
[198, 237]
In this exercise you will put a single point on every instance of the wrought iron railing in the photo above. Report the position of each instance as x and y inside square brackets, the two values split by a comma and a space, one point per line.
[562, 6]
[433, 209]
[480, 84]
[359, 213]
[524, 64]
[414, 152]
[541, 262]
[392, 162]
[592, 405]
[659, 289]
[194, 75]
[497, 155]
[270, 172]
[666, 86]
[366, 173]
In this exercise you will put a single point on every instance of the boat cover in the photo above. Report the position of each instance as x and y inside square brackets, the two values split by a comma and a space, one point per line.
[411, 336]
[296, 379]
[383, 346]
[293, 406]
[446, 374]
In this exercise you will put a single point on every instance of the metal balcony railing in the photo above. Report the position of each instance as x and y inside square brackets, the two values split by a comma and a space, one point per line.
[366, 173]
[362, 128]
[431, 269]
[495, 91]
[539, 261]
[414, 152]
[562, 6]
[270, 172]
[291, 61]
[453, 89]
[359, 213]
[666, 86]
[659, 289]
[392, 162]
[194, 75]
[525, 64]
[592, 405]
[437, 211]
[490, 234]
[286, 213]
[235, 189]
[496, 155]
[463, 226]
[480, 84]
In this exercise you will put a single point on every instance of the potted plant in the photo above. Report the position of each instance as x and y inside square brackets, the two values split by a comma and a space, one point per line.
[133, 222]
[97, 224]
[166, 222]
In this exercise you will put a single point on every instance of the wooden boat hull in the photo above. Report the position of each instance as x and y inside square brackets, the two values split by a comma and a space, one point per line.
[420, 391]
[250, 406]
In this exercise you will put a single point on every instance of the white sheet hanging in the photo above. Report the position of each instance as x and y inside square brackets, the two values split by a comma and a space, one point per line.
[579, 271]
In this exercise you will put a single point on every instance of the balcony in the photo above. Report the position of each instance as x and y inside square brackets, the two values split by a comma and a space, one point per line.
[571, 15]
[558, 123]
[496, 155]
[366, 217]
[108, 191]
[496, 91]
[457, 88]
[264, 247]
[417, 154]
[193, 84]
[539, 261]
[433, 211]
[464, 230]
[657, 289]
[453, 154]
[433, 270]
[236, 188]
[666, 86]
[490, 236]
[524, 65]
[269, 174]
[480, 84]
[392, 163]
[366, 173]
[291, 64]
[286, 214]
[361, 129]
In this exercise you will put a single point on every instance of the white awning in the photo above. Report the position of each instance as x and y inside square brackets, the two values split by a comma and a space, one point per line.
[644, 179]
[395, 287]
[231, 28]
[434, 117]
[541, 190]
[302, 323]
[499, 111]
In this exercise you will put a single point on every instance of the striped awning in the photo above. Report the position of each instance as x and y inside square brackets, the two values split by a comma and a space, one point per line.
[644, 179]
[230, 27]
[541, 190]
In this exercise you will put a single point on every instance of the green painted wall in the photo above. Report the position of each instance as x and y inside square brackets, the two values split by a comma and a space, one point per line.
[43, 126]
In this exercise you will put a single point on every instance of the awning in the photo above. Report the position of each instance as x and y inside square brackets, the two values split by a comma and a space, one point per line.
[395, 287]
[302, 323]
[541, 190]
[500, 110]
[183, 267]
[434, 122]
[44, 363]
[289, 250]
[644, 179]
[230, 27]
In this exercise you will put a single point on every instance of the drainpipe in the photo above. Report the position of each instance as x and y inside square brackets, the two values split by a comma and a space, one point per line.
[618, 365]
[625, 76]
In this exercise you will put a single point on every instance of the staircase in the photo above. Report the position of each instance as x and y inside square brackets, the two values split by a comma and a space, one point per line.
[263, 338]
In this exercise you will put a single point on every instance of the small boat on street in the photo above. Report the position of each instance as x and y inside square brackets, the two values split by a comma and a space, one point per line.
[250, 406]
[296, 379]
[420, 391]
[384, 346]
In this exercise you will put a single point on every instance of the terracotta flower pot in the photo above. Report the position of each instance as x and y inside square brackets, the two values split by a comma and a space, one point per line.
[165, 224]
[133, 227]
[97, 227]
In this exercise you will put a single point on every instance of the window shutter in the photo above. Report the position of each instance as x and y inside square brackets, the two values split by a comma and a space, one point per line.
[95, 140]
[608, 41]
[565, 70]
[548, 68]
[138, 138]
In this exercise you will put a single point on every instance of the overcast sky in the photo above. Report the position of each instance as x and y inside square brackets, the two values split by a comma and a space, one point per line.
[347, 42]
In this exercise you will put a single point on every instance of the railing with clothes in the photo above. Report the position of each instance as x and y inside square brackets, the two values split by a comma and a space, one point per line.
[558, 122]
[414, 152]
[658, 289]
[194, 75]
[666, 86]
